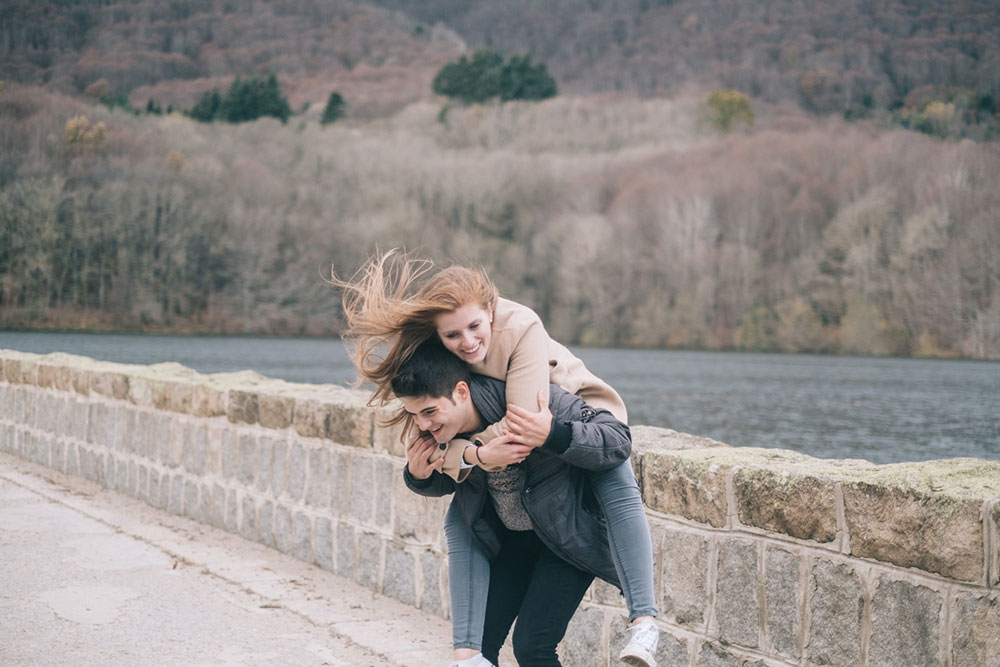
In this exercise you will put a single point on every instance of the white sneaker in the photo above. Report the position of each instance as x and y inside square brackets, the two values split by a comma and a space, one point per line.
[641, 648]
[477, 660]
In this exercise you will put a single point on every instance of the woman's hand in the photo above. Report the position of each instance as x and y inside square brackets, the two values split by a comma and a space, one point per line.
[418, 453]
[501, 452]
[530, 428]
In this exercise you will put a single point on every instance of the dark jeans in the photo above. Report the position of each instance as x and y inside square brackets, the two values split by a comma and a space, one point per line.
[532, 584]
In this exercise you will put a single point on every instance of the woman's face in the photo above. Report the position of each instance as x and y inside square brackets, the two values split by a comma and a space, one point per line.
[466, 332]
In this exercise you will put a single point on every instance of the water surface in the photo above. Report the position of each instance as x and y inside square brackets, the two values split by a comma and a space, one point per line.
[883, 410]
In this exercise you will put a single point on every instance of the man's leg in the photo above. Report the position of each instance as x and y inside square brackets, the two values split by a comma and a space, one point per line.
[549, 603]
[510, 575]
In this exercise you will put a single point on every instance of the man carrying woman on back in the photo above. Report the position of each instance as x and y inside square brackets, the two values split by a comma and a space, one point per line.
[511, 450]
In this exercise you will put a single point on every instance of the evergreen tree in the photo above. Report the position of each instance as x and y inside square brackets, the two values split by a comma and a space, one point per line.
[246, 99]
[334, 110]
[207, 108]
[486, 76]
[520, 80]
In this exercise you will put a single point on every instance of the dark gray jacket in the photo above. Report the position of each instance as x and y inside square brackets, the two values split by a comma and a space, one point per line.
[556, 493]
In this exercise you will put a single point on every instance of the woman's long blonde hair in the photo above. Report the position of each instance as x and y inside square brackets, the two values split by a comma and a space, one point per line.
[391, 303]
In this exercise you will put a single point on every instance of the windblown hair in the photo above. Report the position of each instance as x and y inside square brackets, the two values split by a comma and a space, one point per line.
[390, 305]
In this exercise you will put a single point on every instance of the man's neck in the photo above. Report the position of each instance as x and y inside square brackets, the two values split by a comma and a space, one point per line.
[473, 421]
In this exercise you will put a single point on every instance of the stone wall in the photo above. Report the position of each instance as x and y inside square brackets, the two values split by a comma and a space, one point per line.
[764, 556]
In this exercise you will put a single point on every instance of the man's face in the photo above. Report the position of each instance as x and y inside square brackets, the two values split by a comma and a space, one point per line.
[442, 417]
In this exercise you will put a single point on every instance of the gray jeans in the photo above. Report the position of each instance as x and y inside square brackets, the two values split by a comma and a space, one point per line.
[631, 549]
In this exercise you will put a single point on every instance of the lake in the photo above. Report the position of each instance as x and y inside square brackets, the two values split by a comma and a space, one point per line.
[882, 410]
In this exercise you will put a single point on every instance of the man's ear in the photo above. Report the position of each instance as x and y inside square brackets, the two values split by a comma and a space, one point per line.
[461, 392]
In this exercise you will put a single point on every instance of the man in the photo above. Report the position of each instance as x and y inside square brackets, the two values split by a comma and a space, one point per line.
[534, 520]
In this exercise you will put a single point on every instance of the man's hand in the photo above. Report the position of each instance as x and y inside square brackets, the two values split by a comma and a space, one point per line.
[530, 428]
[418, 453]
[501, 452]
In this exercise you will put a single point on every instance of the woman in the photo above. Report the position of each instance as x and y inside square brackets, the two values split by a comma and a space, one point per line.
[392, 306]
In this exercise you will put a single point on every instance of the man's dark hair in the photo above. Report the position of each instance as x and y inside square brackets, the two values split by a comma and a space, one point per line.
[430, 371]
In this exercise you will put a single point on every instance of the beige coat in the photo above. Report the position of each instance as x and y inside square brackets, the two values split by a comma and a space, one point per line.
[523, 355]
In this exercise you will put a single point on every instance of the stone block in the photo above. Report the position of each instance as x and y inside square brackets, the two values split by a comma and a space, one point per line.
[295, 482]
[72, 460]
[400, 581]
[684, 572]
[736, 606]
[923, 515]
[165, 490]
[279, 467]
[213, 448]
[191, 506]
[133, 478]
[113, 384]
[370, 547]
[275, 411]
[352, 423]
[710, 655]
[311, 417]
[232, 511]
[340, 482]
[153, 489]
[783, 618]
[107, 472]
[583, 643]
[46, 374]
[346, 564]
[196, 449]
[991, 518]
[97, 425]
[246, 466]
[323, 543]
[836, 603]
[796, 502]
[159, 436]
[230, 453]
[690, 487]
[905, 624]
[248, 526]
[302, 537]
[176, 495]
[601, 592]
[172, 450]
[180, 396]
[283, 538]
[418, 518]
[388, 438]
[142, 483]
[265, 524]
[265, 462]
[242, 407]
[387, 474]
[80, 380]
[362, 496]
[218, 515]
[975, 637]
[121, 475]
[207, 401]
[318, 487]
[205, 509]
[140, 392]
[431, 593]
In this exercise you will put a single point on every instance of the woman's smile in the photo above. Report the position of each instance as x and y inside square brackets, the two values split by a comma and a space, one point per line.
[466, 332]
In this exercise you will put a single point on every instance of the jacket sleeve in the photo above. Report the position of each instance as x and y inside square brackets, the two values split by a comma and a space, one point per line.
[586, 437]
[434, 486]
[527, 374]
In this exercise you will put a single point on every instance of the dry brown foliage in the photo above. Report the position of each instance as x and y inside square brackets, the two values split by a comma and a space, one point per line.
[617, 218]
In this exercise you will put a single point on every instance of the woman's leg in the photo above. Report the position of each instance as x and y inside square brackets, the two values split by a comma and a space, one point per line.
[628, 532]
[549, 603]
[468, 585]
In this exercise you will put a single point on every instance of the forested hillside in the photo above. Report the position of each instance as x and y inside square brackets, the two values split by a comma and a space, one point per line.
[173, 51]
[853, 57]
[620, 209]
